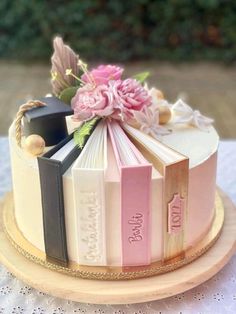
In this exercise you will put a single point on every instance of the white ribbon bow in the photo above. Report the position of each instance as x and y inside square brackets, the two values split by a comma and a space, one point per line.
[183, 113]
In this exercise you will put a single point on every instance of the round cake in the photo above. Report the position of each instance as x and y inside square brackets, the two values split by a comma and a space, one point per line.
[107, 173]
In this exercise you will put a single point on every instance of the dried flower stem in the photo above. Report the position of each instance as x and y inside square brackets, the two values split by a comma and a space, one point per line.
[69, 72]
[84, 68]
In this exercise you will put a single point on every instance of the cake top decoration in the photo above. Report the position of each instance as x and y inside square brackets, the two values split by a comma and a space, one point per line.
[104, 92]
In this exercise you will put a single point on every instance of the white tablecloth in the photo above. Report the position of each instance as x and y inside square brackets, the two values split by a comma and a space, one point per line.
[216, 296]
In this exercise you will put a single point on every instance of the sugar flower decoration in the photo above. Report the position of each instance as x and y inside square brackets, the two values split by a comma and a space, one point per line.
[148, 119]
[118, 99]
[183, 113]
[63, 59]
[103, 93]
[90, 101]
[128, 96]
[103, 74]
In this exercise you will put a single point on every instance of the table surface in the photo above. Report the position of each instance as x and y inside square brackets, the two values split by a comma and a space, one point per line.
[217, 295]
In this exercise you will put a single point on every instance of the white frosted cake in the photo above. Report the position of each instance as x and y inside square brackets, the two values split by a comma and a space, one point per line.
[126, 179]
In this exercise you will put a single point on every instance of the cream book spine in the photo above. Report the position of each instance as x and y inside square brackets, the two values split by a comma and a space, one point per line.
[89, 199]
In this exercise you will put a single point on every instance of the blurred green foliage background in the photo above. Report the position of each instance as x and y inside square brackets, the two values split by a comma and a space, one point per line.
[120, 30]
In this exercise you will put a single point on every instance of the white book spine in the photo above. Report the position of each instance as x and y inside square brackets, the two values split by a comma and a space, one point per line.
[89, 196]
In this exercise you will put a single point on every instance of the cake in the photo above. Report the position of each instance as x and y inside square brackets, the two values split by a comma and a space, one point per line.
[108, 176]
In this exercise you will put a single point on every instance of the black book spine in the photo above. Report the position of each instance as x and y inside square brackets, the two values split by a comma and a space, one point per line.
[50, 172]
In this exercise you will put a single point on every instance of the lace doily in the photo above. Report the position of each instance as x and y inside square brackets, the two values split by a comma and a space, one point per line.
[217, 295]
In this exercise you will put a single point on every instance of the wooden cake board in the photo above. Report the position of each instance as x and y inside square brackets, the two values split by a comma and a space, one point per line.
[128, 291]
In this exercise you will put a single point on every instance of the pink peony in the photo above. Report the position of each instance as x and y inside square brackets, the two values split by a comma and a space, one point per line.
[90, 101]
[118, 100]
[103, 74]
[128, 95]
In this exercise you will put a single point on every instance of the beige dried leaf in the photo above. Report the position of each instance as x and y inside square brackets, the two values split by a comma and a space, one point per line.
[62, 59]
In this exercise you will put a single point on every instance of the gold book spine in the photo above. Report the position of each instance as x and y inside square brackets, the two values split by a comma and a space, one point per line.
[175, 207]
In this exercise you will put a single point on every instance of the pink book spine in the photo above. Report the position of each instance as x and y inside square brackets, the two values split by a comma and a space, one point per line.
[135, 215]
[135, 208]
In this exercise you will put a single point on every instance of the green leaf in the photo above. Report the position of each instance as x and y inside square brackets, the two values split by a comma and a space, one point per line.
[68, 93]
[141, 77]
[84, 131]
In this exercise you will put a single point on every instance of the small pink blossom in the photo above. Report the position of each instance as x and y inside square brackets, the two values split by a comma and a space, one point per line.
[103, 74]
[90, 101]
[128, 96]
[148, 122]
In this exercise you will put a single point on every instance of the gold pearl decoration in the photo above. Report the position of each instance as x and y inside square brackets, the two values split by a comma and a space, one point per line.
[34, 144]
[159, 94]
[164, 111]
[164, 114]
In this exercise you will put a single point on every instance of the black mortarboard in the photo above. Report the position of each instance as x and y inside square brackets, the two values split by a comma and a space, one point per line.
[48, 121]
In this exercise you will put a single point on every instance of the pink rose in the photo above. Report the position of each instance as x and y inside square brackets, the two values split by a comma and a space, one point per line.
[103, 74]
[90, 101]
[128, 95]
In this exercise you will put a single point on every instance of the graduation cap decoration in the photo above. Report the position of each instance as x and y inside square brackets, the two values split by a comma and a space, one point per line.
[48, 121]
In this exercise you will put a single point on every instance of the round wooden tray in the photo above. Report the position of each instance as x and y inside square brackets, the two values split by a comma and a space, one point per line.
[127, 291]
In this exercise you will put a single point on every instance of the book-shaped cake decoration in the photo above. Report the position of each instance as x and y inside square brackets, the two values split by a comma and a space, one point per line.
[52, 166]
[175, 170]
[48, 121]
[135, 181]
[88, 175]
